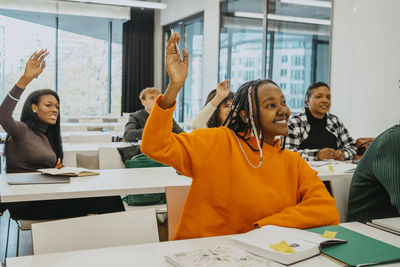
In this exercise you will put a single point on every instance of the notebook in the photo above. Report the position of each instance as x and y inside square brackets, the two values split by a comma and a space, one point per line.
[284, 245]
[360, 250]
[391, 225]
[37, 178]
[69, 171]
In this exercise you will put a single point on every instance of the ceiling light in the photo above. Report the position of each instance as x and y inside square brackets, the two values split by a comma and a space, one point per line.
[143, 4]
[314, 3]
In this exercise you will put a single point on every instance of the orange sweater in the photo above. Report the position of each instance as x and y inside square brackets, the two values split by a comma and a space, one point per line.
[228, 196]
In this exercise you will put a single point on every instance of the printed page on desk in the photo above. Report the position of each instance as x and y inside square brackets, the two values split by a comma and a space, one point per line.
[281, 244]
[360, 250]
[220, 256]
[68, 171]
[333, 166]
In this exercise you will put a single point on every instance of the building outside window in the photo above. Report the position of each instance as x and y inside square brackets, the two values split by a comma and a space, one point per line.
[288, 41]
[77, 66]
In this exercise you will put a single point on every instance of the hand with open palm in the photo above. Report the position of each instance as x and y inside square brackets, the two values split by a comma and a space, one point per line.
[34, 66]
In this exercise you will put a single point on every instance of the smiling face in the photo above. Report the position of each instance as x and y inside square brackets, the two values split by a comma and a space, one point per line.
[47, 109]
[274, 113]
[319, 102]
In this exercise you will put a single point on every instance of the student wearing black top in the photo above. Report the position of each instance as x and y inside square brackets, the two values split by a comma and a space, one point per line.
[316, 134]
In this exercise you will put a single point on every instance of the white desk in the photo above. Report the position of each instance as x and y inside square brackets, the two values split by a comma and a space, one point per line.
[104, 125]
[153, 254]
[89, 150]
[65, 135]
[340, 184]
[109, 183]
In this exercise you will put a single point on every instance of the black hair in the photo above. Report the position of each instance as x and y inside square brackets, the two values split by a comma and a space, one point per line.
[214, 120]
[33, 122]
[312, 87]
[242, 129]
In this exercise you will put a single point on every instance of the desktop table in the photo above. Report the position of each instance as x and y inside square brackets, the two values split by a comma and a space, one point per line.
[153, 254]
[110, 182]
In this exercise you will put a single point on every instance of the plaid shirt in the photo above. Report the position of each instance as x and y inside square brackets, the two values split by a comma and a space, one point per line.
[299, 129]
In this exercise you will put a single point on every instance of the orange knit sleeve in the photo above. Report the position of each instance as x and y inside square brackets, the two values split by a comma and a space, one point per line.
[180, 151]
[315, 206]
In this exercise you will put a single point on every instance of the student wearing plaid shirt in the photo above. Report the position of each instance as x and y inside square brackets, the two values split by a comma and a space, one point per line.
[317, 134]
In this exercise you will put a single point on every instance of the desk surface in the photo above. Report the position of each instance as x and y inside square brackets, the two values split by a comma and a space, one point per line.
[88, 147]
[153, 254]
[109, 183]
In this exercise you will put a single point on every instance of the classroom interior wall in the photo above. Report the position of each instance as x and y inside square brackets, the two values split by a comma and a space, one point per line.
[365, 65]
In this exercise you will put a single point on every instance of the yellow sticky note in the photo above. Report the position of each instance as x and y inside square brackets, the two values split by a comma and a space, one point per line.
[330, 168]
[282, 247]
[329, 234]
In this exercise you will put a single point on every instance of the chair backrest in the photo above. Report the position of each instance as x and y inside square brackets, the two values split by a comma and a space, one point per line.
[97, 231]
[95, 138]
[109, 158]
[176, 198]
[73, 128]
[90, 120]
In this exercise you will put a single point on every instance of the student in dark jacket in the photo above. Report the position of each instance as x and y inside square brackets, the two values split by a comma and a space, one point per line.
[375, 186]
[34, 142]
[317, 134]
[137, 120]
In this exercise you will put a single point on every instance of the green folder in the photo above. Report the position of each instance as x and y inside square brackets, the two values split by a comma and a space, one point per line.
[360, 250]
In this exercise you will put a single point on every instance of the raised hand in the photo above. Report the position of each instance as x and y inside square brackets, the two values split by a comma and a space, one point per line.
[34, 66]
[177, 71]
[223, 90]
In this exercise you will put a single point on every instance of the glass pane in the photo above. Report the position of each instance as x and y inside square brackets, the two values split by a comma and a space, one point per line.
[116, 67]
[21, 33]
[83, 65]
[241, 42]
[194, 81]
[298, 52]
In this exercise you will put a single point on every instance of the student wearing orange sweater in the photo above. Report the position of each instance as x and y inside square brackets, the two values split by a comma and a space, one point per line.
[242, 178]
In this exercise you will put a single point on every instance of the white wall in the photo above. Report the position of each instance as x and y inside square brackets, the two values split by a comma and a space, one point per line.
[178, 9]
[365, 65]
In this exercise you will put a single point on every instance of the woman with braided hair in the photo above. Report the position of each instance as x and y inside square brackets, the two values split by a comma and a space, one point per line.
[242, 178]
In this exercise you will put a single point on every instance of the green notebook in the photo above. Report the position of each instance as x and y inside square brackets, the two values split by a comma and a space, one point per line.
[360, 250]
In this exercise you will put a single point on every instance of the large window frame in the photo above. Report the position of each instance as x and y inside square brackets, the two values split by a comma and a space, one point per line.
[180, 27]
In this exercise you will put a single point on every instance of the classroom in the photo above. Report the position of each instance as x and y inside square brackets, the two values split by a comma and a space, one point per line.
[199, 133]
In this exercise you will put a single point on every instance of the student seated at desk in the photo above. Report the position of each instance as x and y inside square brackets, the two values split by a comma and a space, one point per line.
[35, 142]
[317, 134]
[137, 120]
[216, 109]
[242, 178]
[375, 186]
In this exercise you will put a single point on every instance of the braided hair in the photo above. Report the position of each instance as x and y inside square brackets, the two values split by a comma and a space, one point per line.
[244, 129]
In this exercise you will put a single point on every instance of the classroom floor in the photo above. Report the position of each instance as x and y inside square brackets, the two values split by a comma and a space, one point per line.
[25, 247]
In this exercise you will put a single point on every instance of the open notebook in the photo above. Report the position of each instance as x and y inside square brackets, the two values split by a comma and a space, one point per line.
[284, 245]
[36, 178]
[69, 171]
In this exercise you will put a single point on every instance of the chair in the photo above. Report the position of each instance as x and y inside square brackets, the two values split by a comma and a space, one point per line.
[109, 158]
[97, 231]
[95, 138]
[176, 198]
[73, 128]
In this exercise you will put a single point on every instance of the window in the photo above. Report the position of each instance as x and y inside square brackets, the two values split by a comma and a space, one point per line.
[189, 100]
[84, 64]
[294, 45]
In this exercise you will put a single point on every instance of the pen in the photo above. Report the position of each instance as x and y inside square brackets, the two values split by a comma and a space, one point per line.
[176, 45]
